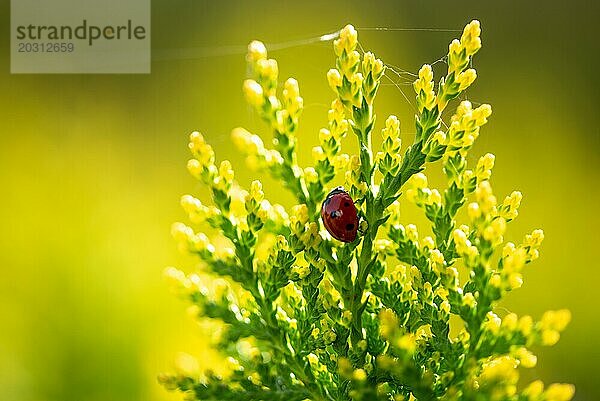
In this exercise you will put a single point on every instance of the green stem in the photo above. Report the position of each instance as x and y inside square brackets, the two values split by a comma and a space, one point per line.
[267, 313]
[375, 209]
[363, 118]
[276, 334]
[287, 149]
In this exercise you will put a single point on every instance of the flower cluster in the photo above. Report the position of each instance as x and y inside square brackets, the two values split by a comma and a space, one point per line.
[394, 314]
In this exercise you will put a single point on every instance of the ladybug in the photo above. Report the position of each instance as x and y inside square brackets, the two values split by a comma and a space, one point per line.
[339, 215]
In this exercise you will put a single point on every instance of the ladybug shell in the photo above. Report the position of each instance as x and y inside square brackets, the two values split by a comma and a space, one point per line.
[339, 215]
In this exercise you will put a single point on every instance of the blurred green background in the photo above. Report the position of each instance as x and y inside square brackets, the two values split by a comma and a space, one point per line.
[92, 167]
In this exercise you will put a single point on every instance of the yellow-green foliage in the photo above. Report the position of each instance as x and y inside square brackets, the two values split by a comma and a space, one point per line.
[307, 317]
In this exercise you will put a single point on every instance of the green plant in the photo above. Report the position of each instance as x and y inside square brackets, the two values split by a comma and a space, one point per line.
[307, 317]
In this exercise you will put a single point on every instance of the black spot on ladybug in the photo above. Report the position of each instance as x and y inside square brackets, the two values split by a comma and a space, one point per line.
[346, 204]
[349, 226]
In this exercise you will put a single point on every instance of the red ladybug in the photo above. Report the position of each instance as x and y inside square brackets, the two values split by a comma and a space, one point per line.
[339, 215]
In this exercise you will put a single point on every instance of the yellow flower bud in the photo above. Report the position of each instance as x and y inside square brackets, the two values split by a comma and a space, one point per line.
[435, 198]
[181, 232]
[372, 64]
[464, 109]
[388, 323]
[242, 138]
[273, 158]
[347, 316]
[356, 79]
[254, 93]
[196, 137]
[439, 137]
[424, 331]
[428, 242]
[445, 307]
[194, 167]
[226, 171]
[485, 197]
[500, 369]
[424, 88]
[496, 281]
[300, 213]
[392, 127]
[515, 280]
[484, 166]
[481, 114]
[190, 204]
[256, 191]
[311, 175]
[347, 40]
[324, 135]
[268, 69]
[418, 181]
[291, 89]
[359, 375]
[493, 322]
[515, 261]
[312, 359]
[201, 150]
[526, 358]
[255, 378]
[256, 51]
[318, 154]
[550, 337]
[186, 365]
[510, 322]
[177, 280]
[200, 242]
[455, 47]
[470, 38]
[344, 367]
[534, 390]
[465, 79]
[412, 233]
[436, 257]
[264, 211]
[442, 293]
[463, 245]
[274, 103]
[525, 325]
[469, 300]
[348, 65]
[407, 343]
[534, 239]
[559, 392]
[426, 73]
[463, 336]
[495, 230]
[474, 211]
[556, 320]
[334, 79]
[510, 205]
